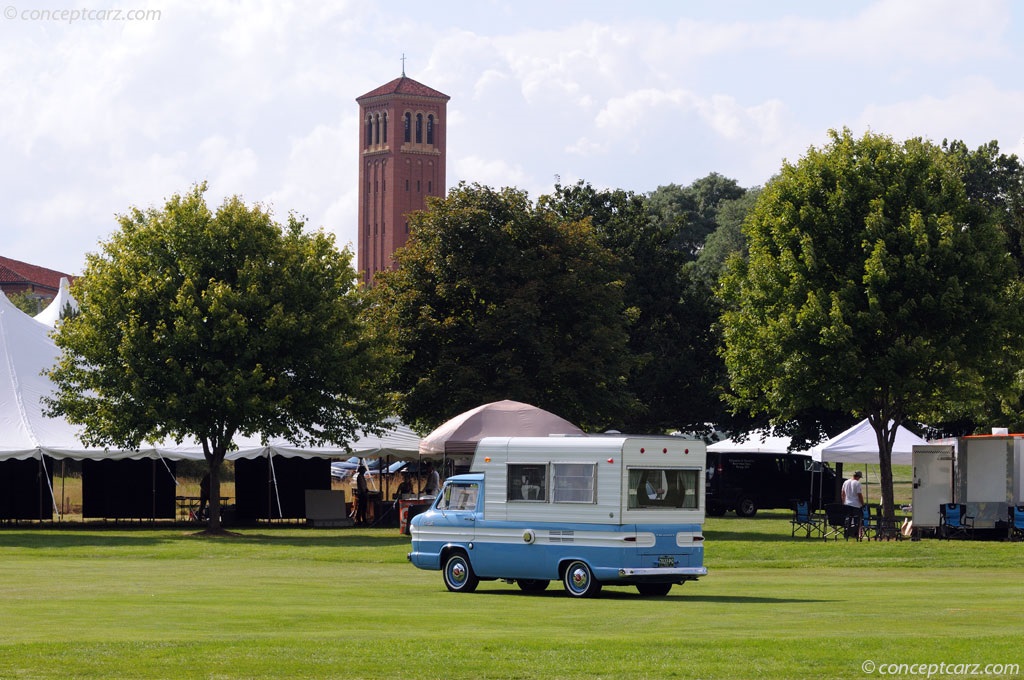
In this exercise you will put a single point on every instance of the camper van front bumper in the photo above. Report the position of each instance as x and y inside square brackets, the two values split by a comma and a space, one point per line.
[664, 571]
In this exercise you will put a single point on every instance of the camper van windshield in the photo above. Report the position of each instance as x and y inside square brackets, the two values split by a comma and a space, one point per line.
[458, 497]
[662, 488]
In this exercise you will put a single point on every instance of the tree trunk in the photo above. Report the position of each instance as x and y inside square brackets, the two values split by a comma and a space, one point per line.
[215, 460]
[885, 436]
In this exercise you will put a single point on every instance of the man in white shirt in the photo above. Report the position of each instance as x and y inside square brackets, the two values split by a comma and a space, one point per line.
[853, 499]
[853, 493]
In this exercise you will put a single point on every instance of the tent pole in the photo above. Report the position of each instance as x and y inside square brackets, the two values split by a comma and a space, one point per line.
[273, 480]
[49, 486]
[63, 477]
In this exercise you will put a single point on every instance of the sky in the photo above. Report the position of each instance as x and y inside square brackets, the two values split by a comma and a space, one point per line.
[110, 105]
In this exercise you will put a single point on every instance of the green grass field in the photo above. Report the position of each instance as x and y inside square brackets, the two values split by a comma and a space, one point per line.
[280, 602]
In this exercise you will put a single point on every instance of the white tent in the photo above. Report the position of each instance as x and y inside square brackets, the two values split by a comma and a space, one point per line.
[398, 441]
[859, 445]
[758, 441]
[51, 315]
[26, 350]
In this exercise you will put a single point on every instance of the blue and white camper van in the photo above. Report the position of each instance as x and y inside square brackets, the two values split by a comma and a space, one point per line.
[588, 511]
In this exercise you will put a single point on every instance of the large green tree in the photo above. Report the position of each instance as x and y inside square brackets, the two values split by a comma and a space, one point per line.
[675, 367]
[690, 212]
[496, 298]
[873, 286]
[207, 324]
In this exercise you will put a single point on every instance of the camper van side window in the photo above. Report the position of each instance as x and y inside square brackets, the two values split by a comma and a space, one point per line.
[574, 482]
[527, 482]
[662, 488]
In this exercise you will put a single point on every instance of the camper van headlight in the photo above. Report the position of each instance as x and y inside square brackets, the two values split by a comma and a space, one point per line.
[529, 536]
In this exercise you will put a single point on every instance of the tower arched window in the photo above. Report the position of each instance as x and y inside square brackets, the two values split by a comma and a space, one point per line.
[419, 128]
[376, 129]
[430, 129]
[408, 127]
[369, 130]
[384, 135]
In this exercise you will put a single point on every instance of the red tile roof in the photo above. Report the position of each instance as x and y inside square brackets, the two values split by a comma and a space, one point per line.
[14, 271]
[404, 85]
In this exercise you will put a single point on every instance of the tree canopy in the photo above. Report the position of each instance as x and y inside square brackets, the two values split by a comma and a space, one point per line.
[874, 286]
[496, 298]
[208, 324]
[674, 369]
[690, 212]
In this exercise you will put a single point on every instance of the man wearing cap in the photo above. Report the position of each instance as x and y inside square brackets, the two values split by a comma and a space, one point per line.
[853, 494]
[853, 499]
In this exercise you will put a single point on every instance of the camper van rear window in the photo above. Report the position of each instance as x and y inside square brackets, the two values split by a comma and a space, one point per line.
[574, 482]
[527, 482]
[662, 488]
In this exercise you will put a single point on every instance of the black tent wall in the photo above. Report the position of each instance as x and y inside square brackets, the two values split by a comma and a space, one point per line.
[24, 492]
[255, 493]
[128, 489]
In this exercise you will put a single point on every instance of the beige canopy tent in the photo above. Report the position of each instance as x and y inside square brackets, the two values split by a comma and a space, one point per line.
[459, 436]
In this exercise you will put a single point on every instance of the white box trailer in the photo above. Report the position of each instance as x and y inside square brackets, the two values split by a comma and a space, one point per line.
[589, 511]
[985, 477]
[982, 472]
[932, 483]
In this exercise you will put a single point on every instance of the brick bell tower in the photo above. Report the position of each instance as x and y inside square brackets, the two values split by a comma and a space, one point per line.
[401, 162]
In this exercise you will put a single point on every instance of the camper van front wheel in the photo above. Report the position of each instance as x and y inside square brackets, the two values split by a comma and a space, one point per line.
[579, 581]
[458, 574]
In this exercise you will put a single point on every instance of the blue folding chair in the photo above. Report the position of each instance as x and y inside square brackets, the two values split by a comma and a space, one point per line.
[955, 522]
[868, 523]
[1017, 522]
[804, 520]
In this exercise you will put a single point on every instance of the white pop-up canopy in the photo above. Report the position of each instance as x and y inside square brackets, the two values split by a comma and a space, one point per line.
[758, 441]
[859, 445]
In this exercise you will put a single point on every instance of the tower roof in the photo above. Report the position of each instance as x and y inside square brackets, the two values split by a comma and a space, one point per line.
[404, 85]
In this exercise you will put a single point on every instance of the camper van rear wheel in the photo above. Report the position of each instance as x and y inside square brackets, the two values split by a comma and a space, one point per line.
[746, 507]
[653, 589]
[579, 580]
[532, 585]
[458, 574]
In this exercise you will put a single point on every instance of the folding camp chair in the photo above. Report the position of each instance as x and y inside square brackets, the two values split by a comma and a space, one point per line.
[804, 520]
[868, 523]
[837, 521]
[954, 521]
[1017, 522]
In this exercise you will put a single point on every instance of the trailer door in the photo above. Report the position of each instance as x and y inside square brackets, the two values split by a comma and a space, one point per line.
[933, 482]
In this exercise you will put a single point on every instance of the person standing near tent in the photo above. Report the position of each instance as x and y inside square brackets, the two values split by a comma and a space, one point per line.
[204, 497]
[853, 499]
[362, 495]
[853, 492]
[433, 481]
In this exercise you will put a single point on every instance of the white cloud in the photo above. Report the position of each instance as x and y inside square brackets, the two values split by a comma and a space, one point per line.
[258, 97]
